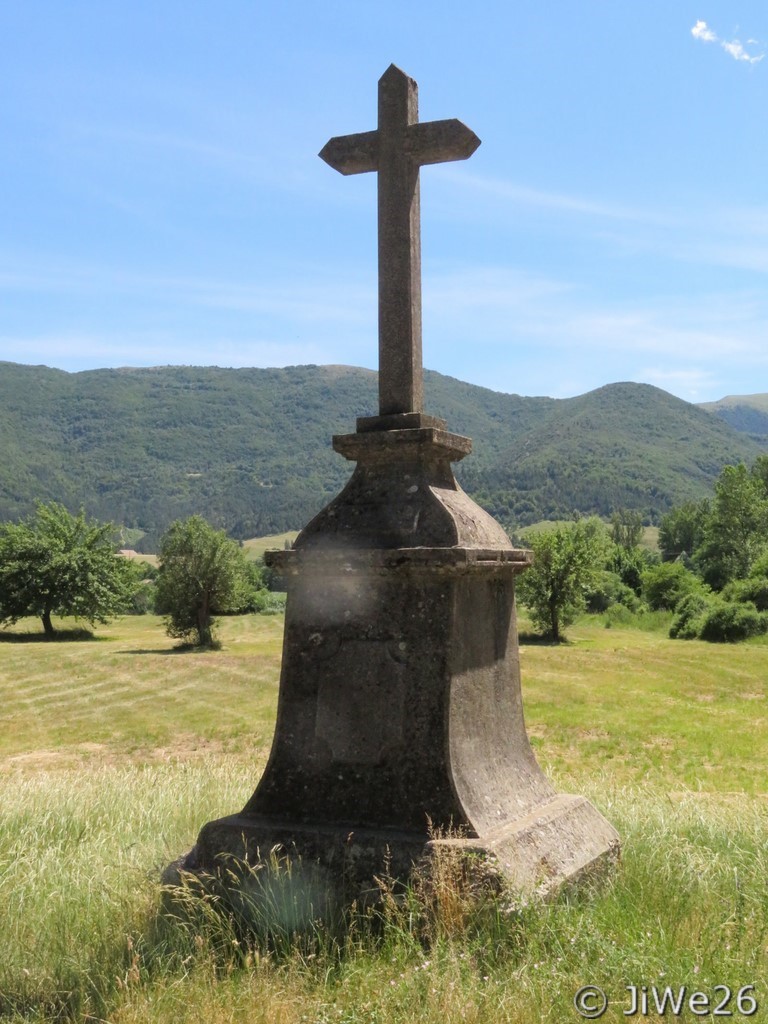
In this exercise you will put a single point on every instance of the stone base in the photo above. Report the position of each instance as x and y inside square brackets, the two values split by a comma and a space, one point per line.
[400, 751]
[553, 846]
[317, 871]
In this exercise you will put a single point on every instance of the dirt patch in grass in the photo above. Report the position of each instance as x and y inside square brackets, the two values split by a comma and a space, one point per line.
[186, 747]
[709, 798]
[662, 742]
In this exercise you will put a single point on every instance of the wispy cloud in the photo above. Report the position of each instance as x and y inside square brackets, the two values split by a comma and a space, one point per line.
[560, 337]
[706, 233]
[321, 298]
[738, 52]
[691, 382]
[75, 351]
[733, 47]
[241, 158]
[496, 325]
[702, 31]
[525, 196]
[483, 195]
[501, 290]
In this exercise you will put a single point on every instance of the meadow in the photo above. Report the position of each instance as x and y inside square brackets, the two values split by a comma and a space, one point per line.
[115, 750]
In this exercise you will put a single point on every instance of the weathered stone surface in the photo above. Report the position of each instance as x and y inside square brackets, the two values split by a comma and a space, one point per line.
[558, 842]
[400, 700]
[396, 150]
[400, 714]
[403, 494]
[400, 710]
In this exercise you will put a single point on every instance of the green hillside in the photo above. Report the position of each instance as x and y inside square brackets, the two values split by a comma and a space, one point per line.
[748, 413]
[623, 445]
[246, 448]
[250, 448]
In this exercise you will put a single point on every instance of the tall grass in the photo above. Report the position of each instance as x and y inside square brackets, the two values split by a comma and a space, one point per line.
[83, 932]
[86, 936]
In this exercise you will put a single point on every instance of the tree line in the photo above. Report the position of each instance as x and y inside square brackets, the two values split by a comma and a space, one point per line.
[55, 563]
[711, 570]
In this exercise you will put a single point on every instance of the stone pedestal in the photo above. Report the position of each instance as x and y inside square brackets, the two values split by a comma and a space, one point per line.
[400, 714]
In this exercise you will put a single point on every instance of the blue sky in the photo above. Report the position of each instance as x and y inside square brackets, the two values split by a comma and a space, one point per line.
[162, 201]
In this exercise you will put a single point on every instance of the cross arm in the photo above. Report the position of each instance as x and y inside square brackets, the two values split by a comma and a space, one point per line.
[352, 154]
[433, 142]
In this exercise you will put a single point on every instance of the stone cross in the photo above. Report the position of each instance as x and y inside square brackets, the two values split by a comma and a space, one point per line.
[400, 715]
[397, 149]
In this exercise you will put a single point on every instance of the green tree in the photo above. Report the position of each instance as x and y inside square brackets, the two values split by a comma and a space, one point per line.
[629, 564]
[626, 528]
[737, 529]
[56, 563]
[202, 572]
[681, 531]
[760, 470]
[567, 563]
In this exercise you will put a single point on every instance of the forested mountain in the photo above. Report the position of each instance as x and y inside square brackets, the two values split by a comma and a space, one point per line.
[621, 446]
[250, 448]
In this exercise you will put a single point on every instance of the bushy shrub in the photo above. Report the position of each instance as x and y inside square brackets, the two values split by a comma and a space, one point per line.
[727, 623]
[143, 599]
[753, 590]
[567, 559]
[621, 617]
[689, 616]
[760, 565]
[665, 585]
[618, 615]
[202, 572]
[269, 602]
[629, 564]
[608, 590]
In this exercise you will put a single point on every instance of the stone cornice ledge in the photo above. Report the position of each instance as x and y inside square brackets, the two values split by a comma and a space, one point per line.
[396, 445]
[445, 561]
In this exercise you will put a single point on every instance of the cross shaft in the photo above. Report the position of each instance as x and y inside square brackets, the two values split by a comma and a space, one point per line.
[396, 150]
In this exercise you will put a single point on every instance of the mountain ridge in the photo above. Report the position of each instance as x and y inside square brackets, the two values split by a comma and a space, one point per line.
[746, 413]
[250, 448]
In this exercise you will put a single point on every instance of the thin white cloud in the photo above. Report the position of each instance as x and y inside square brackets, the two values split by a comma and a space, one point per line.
[733, 47]
[504, 290]
[322, 298]
[496, 326]
[737, 51]
[74, 351]
[709, 234]
[568, 325]
[703, 32]
[524, 196]
[242, 157]
[689, 383]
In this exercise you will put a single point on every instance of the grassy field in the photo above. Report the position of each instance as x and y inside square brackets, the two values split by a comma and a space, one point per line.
[131, 692]
[649, 538]
[256, 547]
[113, 752]
[253, 548]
